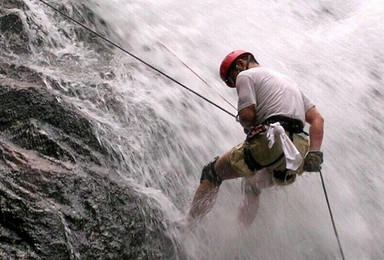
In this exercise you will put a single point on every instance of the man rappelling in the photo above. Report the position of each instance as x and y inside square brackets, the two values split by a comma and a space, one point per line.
[273, 111]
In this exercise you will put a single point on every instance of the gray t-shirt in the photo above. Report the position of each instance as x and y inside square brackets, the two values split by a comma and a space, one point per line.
[272, 93]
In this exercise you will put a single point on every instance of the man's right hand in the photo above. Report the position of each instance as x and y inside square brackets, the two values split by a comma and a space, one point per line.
[313, 161]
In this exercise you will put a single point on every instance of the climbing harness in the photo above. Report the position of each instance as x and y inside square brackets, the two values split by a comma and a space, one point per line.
[293, 126]
[252, 164]
[255, 131]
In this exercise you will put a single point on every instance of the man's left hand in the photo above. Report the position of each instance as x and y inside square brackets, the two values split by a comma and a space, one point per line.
[313, 161]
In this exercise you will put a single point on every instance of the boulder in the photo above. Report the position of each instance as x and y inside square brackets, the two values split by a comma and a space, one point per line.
[12, 34]
[58, 197]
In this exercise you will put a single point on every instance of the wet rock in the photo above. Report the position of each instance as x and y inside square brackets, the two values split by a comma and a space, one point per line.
[12, 4]
[21, 73]
[58, 200]
[86, 16]
[11, 23]
[12, 33]
[25, 102]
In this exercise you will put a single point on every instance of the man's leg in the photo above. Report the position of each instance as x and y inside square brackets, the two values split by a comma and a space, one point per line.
[203, 201]
[206, 193]
[251, 188]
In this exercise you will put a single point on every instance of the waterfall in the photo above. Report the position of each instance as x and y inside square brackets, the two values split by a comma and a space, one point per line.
[160, 135]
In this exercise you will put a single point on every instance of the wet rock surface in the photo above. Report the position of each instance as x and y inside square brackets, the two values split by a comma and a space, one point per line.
[60, 197]
[58, 201]
[55, 199]
[11, 4]
[12, 33]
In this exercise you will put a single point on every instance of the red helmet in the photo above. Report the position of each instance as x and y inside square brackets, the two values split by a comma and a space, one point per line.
[228, 61]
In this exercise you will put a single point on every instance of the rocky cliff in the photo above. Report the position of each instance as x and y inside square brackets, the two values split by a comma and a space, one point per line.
[60, 198]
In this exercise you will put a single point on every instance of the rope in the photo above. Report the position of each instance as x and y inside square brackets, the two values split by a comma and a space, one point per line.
[332, 219]
[136, 57]
[197, 75]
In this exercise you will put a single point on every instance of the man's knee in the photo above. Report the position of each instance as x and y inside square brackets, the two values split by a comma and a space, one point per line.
[209, 173]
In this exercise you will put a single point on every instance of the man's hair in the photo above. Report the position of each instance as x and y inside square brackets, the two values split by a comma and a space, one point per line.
[245, 58]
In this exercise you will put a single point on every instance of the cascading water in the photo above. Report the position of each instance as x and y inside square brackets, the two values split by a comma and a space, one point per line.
[160, 135]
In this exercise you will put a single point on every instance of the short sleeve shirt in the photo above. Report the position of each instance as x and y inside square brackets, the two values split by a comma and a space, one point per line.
[272, 93]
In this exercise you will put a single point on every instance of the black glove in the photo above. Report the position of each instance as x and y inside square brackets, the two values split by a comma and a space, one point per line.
[313, 161]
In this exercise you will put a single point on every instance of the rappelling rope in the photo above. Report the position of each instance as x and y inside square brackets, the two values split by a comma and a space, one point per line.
[330, 213]
[199, 95]
[137, 58]
[197, 75]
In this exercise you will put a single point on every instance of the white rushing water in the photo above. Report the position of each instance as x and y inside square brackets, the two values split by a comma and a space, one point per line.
[164, 135]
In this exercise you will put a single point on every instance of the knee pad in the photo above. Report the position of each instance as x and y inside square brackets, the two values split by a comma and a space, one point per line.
[209, 173]
[249, 189]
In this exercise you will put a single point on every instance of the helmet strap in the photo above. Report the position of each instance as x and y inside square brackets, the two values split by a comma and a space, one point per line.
[248, 61]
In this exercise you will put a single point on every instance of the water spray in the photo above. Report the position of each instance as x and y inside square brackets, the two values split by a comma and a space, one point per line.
[330, 213]
[136, 57]
[182, 85]
[197, 75]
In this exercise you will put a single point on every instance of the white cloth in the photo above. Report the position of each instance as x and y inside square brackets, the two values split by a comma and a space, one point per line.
[293, 158]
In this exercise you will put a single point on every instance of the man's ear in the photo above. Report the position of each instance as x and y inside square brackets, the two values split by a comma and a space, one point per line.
[239, 64]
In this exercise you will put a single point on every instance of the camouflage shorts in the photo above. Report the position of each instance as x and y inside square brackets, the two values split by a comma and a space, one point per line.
[265, 156]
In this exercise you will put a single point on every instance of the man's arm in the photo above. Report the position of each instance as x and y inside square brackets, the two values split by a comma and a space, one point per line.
[247, 116]
[316, 129]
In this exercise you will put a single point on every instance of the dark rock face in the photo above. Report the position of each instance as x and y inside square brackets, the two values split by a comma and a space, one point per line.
[35, 120]
[10, 4]
[58, 201]
[12, 34]
[59, 195]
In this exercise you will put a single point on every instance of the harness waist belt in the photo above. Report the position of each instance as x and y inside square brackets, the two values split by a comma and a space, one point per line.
[294, 126]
